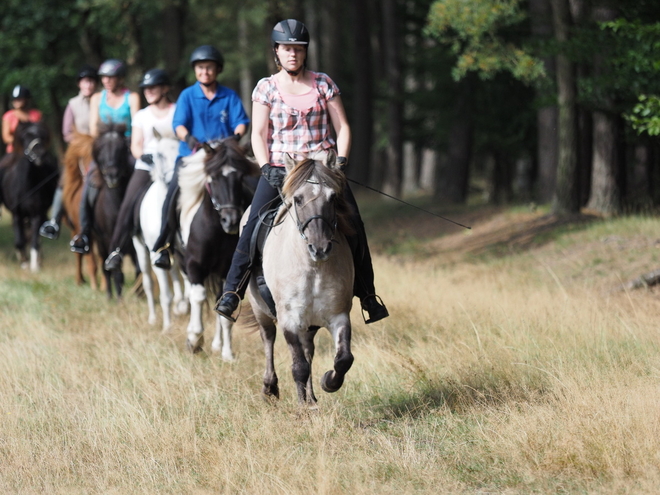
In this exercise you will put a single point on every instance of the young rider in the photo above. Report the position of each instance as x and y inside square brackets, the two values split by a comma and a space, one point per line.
[205, 111]
[293, 112]
[21, 112]
[115, 104]
[76, 119]
[157, 116]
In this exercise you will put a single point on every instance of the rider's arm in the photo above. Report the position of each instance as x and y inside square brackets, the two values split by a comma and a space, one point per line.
[181, 132]
[260, 119]
[68, 125]
[134, 103]
[340, 123]
[7, 136]
[94, 103]
[137, 142]
[240, 129]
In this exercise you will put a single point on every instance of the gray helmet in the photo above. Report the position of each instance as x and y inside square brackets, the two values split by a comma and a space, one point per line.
[21, 92]
[88, 71]
[207, 52]
[290, 32]
[113, 68]
[155, 77]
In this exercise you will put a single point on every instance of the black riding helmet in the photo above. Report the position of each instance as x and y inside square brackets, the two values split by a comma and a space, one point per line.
[155, 77]
[88, 71]
[290, 32]
[21, 92]
[113, 68]
[207, 53]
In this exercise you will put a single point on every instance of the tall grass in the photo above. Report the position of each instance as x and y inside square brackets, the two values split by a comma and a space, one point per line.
[513, 374]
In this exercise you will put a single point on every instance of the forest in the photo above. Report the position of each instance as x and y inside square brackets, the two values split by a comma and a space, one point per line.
[500, 101]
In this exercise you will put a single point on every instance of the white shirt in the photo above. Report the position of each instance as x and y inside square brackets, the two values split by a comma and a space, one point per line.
[147, 122]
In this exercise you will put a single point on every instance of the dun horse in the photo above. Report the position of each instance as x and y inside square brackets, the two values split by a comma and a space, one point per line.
[308, 267]
[77, 159]
[216, 188]
[149, 214]
[28, 179]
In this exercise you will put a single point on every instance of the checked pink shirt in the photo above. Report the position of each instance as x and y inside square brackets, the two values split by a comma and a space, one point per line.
[293, 131]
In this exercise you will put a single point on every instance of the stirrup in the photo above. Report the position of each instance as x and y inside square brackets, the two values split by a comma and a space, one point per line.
[52, 233]
[84, 249]
[376, 312]
[225, 314]
[114, 258]
[168, 256]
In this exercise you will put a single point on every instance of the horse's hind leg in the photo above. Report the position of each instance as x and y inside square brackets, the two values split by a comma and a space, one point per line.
[268, 332]
[307, 340]
[341, 333]
[300, 367]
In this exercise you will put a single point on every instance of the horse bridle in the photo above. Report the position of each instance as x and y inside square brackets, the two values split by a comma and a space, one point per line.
[303, 225]
[218, 206]
[29, 151]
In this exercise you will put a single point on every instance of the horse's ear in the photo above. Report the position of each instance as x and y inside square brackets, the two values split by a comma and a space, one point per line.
[157, 134]
[289, 162]
[331, 160]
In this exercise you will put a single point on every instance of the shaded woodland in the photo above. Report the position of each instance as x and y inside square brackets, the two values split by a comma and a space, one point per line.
[545, 101]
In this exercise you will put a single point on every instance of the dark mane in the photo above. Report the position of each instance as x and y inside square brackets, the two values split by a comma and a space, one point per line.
[228, 152]
[30, 130]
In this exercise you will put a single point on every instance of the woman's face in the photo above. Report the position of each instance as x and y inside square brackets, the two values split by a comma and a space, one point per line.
[19, 103]
[291, 57]
[87, 86]
[153, 94]
[110, 83]
[206, 71]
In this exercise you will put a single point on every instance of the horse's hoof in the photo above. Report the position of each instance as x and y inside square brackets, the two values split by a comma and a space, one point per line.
[271, 392]
[327, 386]
[197, 347]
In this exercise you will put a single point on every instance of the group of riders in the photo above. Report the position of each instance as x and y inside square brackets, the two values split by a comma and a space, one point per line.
[295, 111]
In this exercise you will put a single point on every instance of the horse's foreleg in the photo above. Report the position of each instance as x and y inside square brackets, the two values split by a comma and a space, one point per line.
[144, 261]
[341, 333]
[222, 339]
[79, 264]
[19, 239]
[180, 301]
[307, 340]
[92, 269]
[118, 278]
[196, 326]
[163, 278]
[108, 283]
[35, 252]
[300, 367]
[268, 332]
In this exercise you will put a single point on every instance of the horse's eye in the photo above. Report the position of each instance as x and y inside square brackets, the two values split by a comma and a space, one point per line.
[297, 200]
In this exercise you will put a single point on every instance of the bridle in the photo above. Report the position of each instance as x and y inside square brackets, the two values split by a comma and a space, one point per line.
[303, 225]
[222, 206]
[29, 151]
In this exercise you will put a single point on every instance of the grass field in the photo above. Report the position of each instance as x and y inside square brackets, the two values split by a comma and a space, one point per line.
[510, 364]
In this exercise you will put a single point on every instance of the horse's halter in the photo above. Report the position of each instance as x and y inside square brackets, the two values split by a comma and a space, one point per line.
[303, 225]
[29, 151]
[219, 206]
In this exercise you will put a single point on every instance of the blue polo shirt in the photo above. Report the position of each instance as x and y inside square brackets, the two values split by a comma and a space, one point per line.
[208, 119]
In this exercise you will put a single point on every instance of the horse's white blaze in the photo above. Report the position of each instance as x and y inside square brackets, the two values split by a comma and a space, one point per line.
[34, 260]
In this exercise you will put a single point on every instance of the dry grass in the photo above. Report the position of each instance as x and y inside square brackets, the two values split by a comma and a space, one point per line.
[515, 372]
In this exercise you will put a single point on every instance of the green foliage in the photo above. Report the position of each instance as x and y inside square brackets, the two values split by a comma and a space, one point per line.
[472, 28]
[645, 116]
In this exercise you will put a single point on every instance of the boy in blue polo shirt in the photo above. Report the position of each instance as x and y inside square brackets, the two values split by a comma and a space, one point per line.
[204, 111]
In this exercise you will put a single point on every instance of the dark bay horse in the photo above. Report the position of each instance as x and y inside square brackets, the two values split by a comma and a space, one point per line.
[217, 185]
[28, 179]
[77, 159]
[111, 154]
[308, 266]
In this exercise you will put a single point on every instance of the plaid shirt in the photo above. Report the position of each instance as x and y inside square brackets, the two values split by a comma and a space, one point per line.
[294, 131]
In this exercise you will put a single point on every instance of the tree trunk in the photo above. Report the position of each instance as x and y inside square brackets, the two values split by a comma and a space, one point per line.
[391, 43]
[331, 38]
[566, 199]
[362, 122]
[546, 117]
[311, 21]
[246, 81]
[174, 15]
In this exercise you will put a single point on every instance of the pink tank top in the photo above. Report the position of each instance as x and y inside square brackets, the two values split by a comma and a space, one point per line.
[299, 102]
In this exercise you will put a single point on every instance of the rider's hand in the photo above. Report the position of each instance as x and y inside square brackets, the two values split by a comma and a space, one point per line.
[191, 141]
[342, 161]
[274, 175]
[147, 158]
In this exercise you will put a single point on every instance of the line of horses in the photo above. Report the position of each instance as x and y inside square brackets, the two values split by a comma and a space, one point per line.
[306, 260]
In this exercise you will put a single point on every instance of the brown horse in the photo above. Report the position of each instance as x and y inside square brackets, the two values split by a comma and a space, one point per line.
[77, 158]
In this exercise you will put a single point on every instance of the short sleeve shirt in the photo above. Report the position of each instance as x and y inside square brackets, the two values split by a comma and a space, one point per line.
[146, 121]
[294, 131]
[10, 116]
[208, 119]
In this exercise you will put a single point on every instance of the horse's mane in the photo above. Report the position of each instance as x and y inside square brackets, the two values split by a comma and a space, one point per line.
[334, 179]
[79, 149]
[229, 152]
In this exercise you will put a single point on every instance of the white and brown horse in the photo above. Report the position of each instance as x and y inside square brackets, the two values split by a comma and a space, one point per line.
[308, 267]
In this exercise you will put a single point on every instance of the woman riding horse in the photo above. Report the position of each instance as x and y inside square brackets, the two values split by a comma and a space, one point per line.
[293, 112]
[22, 112]
[116, 104]
[157, 116]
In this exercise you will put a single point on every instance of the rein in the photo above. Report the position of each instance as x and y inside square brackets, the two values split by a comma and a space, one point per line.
[303, 225]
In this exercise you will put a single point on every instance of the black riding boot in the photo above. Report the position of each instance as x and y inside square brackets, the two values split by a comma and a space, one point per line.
[167, 223]
[50, 229]
[265, 197]
[80, 243]
[363, 285]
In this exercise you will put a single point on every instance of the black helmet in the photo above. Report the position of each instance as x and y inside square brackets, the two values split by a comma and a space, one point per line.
[112, 68]
[207, 52]
[155, 77]
[88, 71]
[290, 32]
[21, 92]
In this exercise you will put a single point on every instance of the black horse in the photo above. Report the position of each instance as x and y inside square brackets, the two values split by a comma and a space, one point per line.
[28, 179]
[111, 155]
[224, 182]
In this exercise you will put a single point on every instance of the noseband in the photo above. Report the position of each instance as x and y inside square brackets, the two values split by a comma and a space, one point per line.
[29, 151]
[218, 206]
[303, 225]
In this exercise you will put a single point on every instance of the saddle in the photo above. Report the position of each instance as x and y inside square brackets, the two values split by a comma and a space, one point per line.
[257, 242]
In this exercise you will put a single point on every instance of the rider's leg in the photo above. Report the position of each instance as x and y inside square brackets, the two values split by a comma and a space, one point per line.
[51, 228]
[363, 286]
[123, 231]
[164, 240]
[80, 243]
[239, 273]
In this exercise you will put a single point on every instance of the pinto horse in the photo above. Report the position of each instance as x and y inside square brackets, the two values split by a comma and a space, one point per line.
[28, 179]
[308, 266]
[149, 213]
[77, 159]
[217, 185]
[110, 152]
